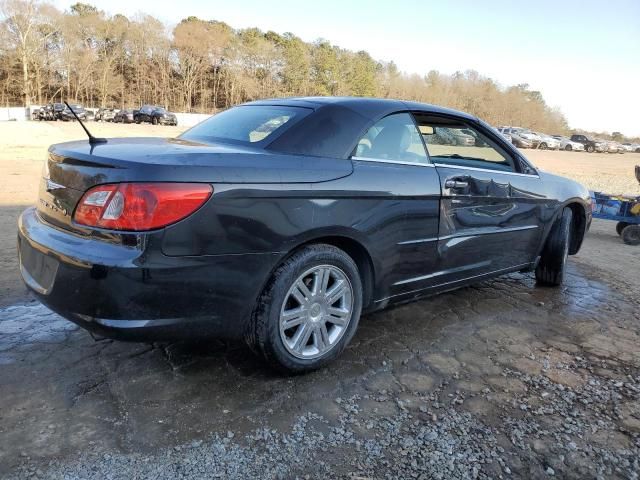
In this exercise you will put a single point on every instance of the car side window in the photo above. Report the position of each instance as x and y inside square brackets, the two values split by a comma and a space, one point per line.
[450, 141]
[394, 138]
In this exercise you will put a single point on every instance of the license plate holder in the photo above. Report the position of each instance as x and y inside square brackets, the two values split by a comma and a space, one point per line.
[38, 269]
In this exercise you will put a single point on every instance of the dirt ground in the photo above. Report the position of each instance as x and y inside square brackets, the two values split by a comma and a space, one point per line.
[500, 380]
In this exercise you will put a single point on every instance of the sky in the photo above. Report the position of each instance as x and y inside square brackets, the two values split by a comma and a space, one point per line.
[584, 56]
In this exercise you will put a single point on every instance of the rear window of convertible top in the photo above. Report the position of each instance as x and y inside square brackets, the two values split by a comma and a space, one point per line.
[246, 124]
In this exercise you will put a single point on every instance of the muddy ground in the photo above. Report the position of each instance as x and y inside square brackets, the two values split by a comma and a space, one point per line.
[502, 379]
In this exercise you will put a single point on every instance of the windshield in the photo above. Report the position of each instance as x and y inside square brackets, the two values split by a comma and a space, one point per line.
[160, 110]
[245, 124]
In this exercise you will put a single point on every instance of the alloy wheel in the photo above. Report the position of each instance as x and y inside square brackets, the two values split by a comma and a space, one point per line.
[316, 312]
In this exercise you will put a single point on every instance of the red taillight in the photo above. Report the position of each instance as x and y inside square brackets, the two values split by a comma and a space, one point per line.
[140, 206]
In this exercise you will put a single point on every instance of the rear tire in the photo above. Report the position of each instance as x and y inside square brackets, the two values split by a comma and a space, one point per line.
[312, 340]
[631, 235]
[154, 120]
[551, 268]
[620, 227]
[542, 146]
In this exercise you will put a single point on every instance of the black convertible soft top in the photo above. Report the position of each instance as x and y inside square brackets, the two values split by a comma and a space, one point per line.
[338, 122]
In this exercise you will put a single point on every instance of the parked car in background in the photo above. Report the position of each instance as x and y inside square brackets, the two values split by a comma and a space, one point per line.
[154, 115]
[55, 111]
[463, 137]
[609, 146]
[123, 116]
[284, 235]
[567, 144]
[547, 142]
[40, 113]
[449, 136]
[619, 147]
[105, 114]
[590, 144]
[506, 136]
[67, 114]
[516, 139]
[49, 112]
[526, 135]
[632, 147]
[163, 117]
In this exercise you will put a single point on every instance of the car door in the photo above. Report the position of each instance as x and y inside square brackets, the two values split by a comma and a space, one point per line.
[491, 205]
[403, 197]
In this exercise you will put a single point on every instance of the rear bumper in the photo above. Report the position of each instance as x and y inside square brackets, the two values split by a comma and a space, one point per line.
[132, 293]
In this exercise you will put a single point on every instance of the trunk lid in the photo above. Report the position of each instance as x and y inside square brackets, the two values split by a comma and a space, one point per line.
[74, 167]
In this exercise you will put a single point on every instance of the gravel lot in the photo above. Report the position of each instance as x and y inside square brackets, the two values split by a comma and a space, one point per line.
[500, 380]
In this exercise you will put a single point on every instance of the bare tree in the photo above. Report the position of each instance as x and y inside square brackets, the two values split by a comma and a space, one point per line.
[23, 22]
[89, 56]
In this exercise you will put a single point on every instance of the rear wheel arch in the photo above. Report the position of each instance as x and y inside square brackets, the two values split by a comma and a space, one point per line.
[357, 251]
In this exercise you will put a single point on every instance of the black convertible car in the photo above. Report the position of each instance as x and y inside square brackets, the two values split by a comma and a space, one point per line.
[281, 221]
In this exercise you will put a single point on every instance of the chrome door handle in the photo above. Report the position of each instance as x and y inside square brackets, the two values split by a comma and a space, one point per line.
[455, 184]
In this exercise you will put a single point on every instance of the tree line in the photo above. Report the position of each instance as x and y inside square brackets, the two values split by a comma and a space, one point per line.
[87, 56]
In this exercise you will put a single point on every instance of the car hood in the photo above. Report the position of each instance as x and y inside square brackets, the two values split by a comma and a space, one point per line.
[216, 162]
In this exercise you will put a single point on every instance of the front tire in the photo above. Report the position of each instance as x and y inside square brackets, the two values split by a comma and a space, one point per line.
[309, 311]
[542, 146]
[552, 265]
[568, 148]
[590, 148]
[154, 120]
[631, 235]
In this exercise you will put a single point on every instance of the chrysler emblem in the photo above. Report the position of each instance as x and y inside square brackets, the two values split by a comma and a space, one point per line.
[51, 185]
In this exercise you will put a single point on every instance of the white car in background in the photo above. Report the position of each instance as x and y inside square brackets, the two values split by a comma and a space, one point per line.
[516, 139]
[528, 135]
[569, 145]
[547, 142]
[632, 147]
[611, 147]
